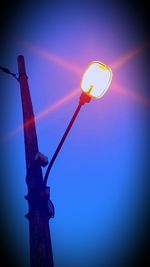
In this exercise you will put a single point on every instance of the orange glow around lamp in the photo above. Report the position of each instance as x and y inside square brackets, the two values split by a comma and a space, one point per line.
[95, 82]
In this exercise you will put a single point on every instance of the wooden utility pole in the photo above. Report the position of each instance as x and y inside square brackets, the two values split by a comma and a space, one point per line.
[40, 207]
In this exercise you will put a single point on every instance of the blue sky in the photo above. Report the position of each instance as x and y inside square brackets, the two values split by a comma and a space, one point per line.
[98, 182]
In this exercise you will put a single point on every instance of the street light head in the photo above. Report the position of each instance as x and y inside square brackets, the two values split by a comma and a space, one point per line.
[96, 79]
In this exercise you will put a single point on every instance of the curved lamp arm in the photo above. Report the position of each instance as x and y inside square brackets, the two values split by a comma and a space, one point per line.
[84, 98]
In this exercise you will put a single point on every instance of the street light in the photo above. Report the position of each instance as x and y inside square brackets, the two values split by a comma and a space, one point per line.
[94, 84]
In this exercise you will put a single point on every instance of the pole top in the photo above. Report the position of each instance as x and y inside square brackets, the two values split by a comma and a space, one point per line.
[20, 56]
[21, 64]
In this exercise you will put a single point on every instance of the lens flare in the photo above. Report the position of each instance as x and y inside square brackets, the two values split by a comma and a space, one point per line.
[43, 113]
[117, 88]
[52, 57]
[128, 56]
[78, 70]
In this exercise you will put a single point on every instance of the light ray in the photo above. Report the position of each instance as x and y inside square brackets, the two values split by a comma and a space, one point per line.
[128, 56]
[130, 94]
[78, 70]
[58, 103]
[43, 113]
[52, 57]
[115, 65]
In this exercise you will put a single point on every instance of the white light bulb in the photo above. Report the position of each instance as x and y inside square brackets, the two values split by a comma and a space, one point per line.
[96, 79]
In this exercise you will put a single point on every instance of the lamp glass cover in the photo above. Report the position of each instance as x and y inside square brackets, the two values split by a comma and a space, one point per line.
[96, 79]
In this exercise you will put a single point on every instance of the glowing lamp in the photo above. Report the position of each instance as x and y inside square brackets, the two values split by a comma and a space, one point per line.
[96, 79]
[94, 83]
